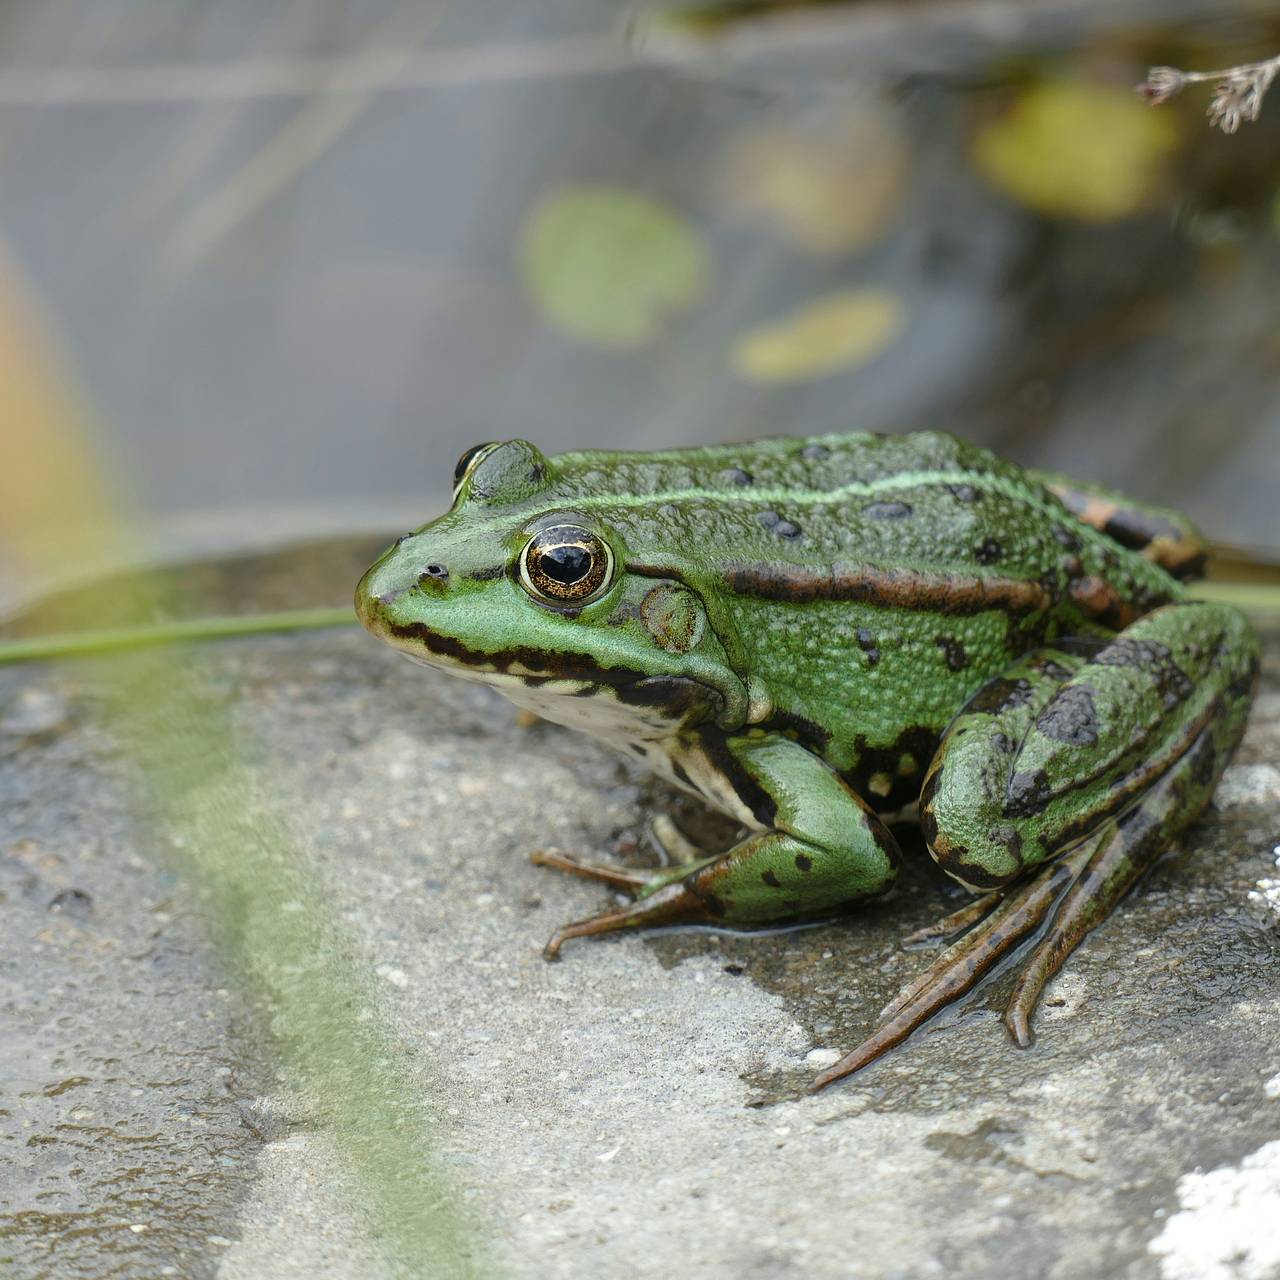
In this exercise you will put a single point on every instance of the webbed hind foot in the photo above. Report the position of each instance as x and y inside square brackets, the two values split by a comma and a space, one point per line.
[961, 966]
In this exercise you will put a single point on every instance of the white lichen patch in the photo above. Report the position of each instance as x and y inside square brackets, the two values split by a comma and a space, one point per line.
[1267, 892]
[1225, 1228]
[1248, 784]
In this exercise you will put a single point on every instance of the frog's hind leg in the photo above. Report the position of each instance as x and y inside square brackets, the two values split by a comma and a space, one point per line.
[618, 877]
[1059, 784]
[819, 848]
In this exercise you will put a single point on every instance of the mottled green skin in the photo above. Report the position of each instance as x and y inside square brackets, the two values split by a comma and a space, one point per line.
[790, 627]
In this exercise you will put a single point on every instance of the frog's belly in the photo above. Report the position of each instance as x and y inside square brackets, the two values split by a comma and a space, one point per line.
[645, 733]
[579, 704]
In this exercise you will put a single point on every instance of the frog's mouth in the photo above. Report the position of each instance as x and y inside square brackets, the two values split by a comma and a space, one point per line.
[557, 686]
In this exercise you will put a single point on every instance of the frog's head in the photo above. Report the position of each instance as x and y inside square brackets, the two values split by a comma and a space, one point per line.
[527, 584]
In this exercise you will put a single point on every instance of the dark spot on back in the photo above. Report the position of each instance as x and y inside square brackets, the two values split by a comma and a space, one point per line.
[771, 880]
[776, 524]
[804, 862]
[1009, 836]
[1001, 694]
[887, 510]
[988, 551]
[1054, 670]
[1071, 717]
[953, 653]
[963, 492]
[867, 643]
[736, 476]
[1156, 660]
[1027, 794]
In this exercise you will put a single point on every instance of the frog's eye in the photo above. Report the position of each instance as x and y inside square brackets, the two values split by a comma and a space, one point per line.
[566, 564]
[469, 460]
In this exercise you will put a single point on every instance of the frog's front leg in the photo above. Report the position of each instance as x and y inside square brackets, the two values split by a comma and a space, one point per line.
[819, 848]
[1064, 780]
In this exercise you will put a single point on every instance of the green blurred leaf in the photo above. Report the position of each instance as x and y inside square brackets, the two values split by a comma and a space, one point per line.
[829, 191]
[832, 333]
[609, 266]
[1086, 151]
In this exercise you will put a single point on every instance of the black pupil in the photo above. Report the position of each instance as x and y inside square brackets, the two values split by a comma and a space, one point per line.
[566, 565]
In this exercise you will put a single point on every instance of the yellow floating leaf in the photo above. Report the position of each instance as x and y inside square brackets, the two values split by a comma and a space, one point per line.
[835, 332]
[608, 266]
[1073, 150]
[830, 192]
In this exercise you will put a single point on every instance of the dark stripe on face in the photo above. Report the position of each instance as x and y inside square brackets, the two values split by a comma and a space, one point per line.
[543, 666]
[676, 696]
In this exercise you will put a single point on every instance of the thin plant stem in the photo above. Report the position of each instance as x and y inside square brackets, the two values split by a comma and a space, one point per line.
[76, 644]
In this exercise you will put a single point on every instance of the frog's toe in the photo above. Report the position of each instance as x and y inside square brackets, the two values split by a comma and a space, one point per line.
[672, 904]
[960, 967]
[675, 845]
[618, 877]
[964, 918]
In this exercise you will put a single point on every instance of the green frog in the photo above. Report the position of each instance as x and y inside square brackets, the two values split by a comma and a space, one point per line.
[814, 634]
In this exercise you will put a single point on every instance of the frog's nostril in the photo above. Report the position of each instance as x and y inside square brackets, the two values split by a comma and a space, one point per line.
[434, 573]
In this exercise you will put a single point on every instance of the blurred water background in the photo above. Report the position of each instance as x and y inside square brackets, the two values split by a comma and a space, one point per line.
[267, 267]
[297, 255]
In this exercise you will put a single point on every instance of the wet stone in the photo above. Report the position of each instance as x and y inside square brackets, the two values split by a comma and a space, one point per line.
[640, 1099]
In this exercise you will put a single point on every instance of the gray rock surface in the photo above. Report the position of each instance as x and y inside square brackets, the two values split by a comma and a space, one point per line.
[635, 1109]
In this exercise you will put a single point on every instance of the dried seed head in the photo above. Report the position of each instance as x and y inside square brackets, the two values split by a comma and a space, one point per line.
[1237, 93]
[1161, 84]
[1238, 96]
